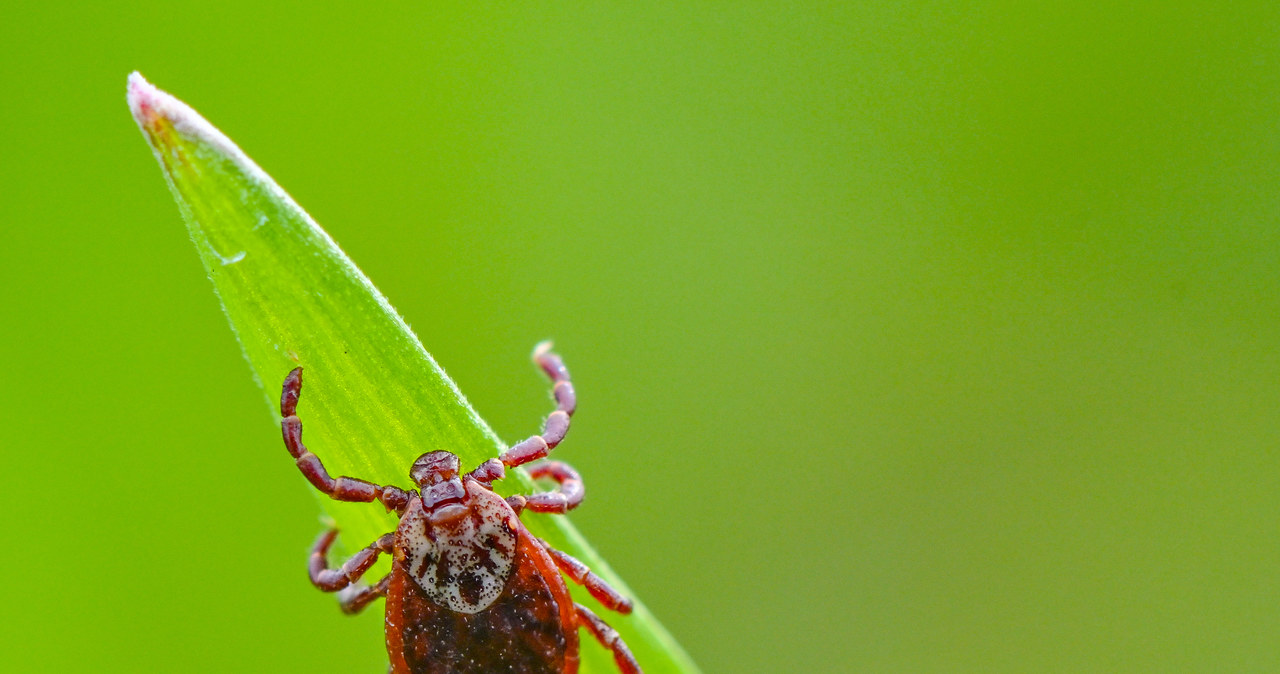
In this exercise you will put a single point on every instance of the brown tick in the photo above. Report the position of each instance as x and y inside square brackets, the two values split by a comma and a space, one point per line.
[470, 589]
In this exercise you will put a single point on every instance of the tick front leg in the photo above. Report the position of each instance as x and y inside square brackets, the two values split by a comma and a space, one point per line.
[354, 598]
[342, 488]
[580, 574]
[609, 638]
[332, 580]
[557, 425]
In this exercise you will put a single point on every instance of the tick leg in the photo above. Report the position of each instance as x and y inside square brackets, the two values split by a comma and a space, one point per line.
[580, 574]
[557, 425]
[342, 488]
[332, 580]
[609, 638]
[561, 500]
[354, 598]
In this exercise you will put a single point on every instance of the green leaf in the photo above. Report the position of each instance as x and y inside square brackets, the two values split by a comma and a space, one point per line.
[374, 399]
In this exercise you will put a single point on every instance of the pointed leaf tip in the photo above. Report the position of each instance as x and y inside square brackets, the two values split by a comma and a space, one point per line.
[141, 96]
[172, 127]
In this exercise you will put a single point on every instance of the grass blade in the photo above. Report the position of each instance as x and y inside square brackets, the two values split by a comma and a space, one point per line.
[374, 398]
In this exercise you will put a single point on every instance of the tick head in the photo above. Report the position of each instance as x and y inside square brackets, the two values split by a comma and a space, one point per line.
[436, 473]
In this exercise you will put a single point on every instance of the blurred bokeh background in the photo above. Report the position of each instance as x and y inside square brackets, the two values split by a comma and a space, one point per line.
[910, 337]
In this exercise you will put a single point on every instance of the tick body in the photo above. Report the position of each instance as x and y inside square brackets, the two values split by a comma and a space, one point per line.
[471, 589]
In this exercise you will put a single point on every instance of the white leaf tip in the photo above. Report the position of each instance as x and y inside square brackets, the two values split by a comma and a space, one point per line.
[151, 105]
[136, 81]
[141, 96]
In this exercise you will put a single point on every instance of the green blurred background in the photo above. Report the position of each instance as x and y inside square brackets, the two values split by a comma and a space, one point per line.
[909, 337]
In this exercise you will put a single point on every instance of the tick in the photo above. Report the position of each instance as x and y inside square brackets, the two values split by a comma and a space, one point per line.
[470, 589]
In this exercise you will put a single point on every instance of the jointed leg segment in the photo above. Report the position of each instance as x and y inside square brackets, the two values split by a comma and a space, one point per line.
[570, 491]
[342, 488]
[580, 574]
[609, 638]
[557, 425]
[567, 497]
[354, 598]
[332, 580]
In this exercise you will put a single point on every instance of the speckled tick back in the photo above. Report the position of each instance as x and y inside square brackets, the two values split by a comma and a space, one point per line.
[470, 589]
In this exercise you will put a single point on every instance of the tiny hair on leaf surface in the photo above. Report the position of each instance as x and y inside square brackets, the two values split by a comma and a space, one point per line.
[376, 399]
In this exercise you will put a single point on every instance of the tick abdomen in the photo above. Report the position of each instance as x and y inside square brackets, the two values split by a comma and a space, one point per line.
[520, 629]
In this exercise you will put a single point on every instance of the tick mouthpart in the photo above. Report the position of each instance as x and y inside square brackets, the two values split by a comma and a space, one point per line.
[433, 468]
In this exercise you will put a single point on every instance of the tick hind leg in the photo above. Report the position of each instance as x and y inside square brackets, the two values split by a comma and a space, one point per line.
[557, 425]
[342, 488]
[332, 580]
[354, 598]
[582, 575]
[609, 638]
